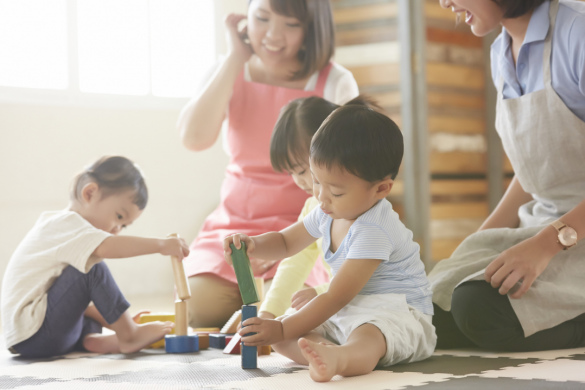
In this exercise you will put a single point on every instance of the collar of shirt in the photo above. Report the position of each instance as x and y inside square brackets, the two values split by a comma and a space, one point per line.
[537, 30]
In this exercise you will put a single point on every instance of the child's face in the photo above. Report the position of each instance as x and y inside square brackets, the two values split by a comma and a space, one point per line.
[113, 213]
[342, 195]
[301, 174]
[275, 38]
[482, 15]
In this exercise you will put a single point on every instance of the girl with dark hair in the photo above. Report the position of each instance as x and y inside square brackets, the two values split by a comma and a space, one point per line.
[283, 53]
[516, 284]
[57, 293]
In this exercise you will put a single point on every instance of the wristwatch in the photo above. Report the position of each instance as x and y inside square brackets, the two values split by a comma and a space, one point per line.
[567, 235]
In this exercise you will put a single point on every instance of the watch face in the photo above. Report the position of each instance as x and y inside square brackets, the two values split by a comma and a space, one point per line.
[568, 236]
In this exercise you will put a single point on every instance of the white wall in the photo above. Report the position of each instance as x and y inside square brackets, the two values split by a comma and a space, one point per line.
[43, 147]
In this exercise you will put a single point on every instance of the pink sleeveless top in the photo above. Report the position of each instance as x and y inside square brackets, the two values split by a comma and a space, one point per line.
[254, 198]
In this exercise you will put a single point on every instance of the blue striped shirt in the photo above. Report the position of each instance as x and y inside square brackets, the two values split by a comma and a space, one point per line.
[568, 57]
[378, 234]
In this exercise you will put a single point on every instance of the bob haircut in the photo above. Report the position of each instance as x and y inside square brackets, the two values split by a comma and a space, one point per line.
[360, 140]
[516, 8]
[319, 32]
[113, 175]
[292, 134]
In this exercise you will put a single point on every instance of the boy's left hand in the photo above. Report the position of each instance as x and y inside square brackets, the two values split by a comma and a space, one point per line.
[267, 332]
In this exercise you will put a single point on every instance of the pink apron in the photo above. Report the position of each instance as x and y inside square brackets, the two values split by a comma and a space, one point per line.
[254, 198]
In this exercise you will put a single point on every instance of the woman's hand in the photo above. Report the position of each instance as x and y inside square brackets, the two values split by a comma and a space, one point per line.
[267, 331]
[237, 47]
[521, 264]
[302, 297]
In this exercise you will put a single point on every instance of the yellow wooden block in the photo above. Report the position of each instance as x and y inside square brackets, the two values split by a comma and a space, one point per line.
[157, 317]
[264, 350]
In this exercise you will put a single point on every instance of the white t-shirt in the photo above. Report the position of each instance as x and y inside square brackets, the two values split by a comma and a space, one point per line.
[58, 239]
[378, 234]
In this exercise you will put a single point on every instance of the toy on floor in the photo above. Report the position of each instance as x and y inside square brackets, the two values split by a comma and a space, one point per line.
[249, 293]
[181, 341]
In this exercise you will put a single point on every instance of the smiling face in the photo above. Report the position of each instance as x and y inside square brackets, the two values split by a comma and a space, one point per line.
[111, 213]
[276, 39]
[342, 195]
[483, 16]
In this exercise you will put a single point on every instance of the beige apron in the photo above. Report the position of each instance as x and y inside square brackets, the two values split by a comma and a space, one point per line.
[545, 143]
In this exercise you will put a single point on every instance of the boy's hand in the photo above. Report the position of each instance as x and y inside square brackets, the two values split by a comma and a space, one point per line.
[302, 297]
[267, 332]
[237, 240]
[174, 246]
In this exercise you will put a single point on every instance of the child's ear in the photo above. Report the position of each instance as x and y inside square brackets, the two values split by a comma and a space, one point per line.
[90, 192]
[384, 187]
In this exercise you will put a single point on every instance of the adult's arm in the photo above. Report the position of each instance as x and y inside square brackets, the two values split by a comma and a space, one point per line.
[506, 212]
[201, 119]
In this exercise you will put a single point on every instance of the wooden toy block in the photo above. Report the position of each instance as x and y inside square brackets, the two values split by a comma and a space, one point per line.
[203, 340]
[259, 287]
[206, 330]
[181, 282]
[244, 275]
[233, 347]
[181, 344]
[249, 354]
[151, 317]
[217, 340]
[264, 350]
[181, 327]
[232, 324]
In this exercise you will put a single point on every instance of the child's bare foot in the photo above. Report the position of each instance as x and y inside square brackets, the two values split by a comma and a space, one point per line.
[143, 335]
[101, 343]
[323, 359]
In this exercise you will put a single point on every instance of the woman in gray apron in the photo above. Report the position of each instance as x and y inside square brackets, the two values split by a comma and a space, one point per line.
[518, 284]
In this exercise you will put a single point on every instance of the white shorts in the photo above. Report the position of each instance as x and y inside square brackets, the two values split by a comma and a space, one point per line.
[410, 334]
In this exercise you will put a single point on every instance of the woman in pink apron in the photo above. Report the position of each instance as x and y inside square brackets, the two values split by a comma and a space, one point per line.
[287, 57]
[517, 284]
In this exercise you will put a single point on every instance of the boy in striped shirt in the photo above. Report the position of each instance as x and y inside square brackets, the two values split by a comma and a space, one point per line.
[377, 310]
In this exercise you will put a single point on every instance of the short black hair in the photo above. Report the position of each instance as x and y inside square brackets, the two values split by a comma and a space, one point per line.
[113, 175]
[361, 140]
[516, 8]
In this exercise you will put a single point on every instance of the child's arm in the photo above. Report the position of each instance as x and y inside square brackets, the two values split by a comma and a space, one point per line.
[115, 247]
[273, 245]
[347, 283]
[201, 119]
[290, 276]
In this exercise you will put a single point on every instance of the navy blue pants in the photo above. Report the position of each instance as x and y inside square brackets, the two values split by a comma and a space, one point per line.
[65, 325]
[481, 317]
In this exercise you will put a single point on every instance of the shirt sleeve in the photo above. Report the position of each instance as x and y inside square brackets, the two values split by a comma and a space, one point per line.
[312, 222]
[291, 274]
[577, 43]
[369, 241]
[341, 86]
[79, 239]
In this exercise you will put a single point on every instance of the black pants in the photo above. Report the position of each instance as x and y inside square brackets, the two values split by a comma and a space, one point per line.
[481, 317]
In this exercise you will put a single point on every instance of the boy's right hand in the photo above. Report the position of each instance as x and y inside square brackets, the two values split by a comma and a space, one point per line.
[237, 47]
[237, 240]
[174, 246]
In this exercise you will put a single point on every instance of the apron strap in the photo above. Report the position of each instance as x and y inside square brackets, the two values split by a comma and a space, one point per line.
[554, 8]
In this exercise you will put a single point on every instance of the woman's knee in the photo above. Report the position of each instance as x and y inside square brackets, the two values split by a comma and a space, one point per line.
[213, 301]
[485, 316]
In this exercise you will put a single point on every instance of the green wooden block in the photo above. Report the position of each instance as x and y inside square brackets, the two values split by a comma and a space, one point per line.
[244, 275]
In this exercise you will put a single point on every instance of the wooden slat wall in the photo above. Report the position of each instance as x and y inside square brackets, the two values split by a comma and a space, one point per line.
[456, 130]
[367, 44]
